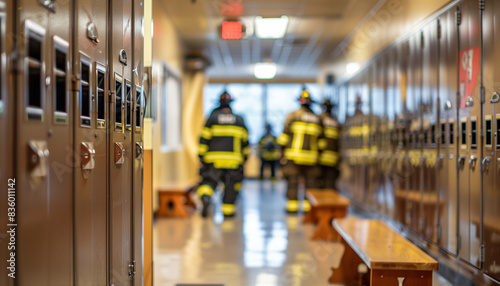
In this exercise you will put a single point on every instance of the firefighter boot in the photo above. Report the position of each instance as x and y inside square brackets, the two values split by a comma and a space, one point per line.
[205, 200]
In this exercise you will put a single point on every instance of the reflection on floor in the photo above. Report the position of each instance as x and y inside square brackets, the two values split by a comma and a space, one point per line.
[262, 246]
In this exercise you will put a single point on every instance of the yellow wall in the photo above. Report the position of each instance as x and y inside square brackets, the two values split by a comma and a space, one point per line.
[177, 169]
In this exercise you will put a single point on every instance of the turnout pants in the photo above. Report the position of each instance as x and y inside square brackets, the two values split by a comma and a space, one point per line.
[231, 178]
[271, 164]
[328, 177]
[292, 172]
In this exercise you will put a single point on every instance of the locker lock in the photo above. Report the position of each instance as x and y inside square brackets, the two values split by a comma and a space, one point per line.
[92, 33]
[123, 56]
[469, 101]
[485, 164]
[139, 150]
[460, 162]
[87, 152]
[472, 161]
[119, 153]
[495, 98]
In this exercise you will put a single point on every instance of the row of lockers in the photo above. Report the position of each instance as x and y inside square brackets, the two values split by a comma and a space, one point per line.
[430, 157]
[71, 105]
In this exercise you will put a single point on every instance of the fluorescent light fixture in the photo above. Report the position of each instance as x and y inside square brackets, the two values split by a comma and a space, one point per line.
[351, 68]
[271, 28]
[265, 70]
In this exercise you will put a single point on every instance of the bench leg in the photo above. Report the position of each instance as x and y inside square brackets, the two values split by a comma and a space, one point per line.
[400, 278]
[347, 272]
[325, 230]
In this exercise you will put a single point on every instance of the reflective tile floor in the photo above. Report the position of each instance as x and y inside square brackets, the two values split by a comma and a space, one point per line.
[262, 246]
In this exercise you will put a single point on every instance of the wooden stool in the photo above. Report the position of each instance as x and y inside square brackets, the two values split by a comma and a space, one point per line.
[172, 204]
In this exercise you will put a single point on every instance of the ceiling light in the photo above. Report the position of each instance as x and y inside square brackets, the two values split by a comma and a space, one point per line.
[351, 68]
[271, 28]
[265, 70]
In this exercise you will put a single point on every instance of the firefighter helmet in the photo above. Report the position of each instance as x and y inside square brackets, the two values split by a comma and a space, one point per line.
[225, 99]
[305, 97]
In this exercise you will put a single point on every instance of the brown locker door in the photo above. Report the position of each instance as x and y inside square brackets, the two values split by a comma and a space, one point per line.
[44, 140]
[491, 151]
[469, 176]
[447, 162]
[137, 141]
[90, 143]
[120, 143]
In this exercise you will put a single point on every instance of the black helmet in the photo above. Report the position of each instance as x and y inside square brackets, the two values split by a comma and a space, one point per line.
[327, 103]
[225, 99]
[305, 97]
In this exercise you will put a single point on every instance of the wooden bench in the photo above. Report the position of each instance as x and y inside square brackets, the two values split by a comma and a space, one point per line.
[173, 202]
[325, 206]
[391, 259]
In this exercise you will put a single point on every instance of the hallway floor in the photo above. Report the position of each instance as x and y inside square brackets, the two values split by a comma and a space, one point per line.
[262, 246]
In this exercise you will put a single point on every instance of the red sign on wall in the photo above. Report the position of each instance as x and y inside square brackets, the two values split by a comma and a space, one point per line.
[470, 61]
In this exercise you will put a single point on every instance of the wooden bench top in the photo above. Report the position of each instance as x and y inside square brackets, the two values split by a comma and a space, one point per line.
[380, 247]
[326, 198]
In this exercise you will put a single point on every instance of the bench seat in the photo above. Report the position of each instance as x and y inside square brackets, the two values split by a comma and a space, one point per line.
[325, 206]
[391, 259]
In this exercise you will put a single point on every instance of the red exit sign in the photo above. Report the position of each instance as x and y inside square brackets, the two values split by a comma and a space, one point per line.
[232, 30]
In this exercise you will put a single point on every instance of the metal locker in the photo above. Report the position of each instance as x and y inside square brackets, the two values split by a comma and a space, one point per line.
[469, 160]
[7, 139]
[447, 162]
[44, 140]
[430, 101]
[491, 143]
[391, 94]
[137, 140]
[122, 266]
[90, 144]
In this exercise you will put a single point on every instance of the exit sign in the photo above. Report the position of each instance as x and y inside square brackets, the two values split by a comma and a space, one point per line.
[232, 30]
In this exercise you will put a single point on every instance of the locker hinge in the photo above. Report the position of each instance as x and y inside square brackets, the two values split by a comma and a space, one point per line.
[15, 62]
[459, 16]
[481, 5]
[482, 255]
[131, 269]
[111, 93]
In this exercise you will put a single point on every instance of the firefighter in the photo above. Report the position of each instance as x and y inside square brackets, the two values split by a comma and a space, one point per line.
[329, 146]
[223, 149]
[268, 152]
[300, 150]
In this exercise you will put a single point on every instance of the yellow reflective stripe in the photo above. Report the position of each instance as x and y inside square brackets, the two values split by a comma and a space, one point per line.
[298, 141]
[230, 131]
[237, 145]
[283, 139]
[302, 156]
[332, 133]
[204, 190]
[328, 158]
[314, 143]
[212, 156]
[306, 206]
[206, 133]
[237, 186]
[322, 144]
[228, 209]
[202, 149]
[292, 205]
[226, 164]
[307, 128]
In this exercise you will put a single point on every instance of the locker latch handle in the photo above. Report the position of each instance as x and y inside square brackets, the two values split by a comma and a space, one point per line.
[87, 153]
[485, 164]
[38, 159]
[119, 153]
[460, 161]
[139, 150]
[472, 160]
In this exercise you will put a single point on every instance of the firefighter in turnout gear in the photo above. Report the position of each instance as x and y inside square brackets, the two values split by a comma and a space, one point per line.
[329, 146]
[269, 152]
[300, 150]
[223, 149]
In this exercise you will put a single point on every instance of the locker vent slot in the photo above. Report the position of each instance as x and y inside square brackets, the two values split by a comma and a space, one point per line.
[410, 141]
[85, 98]
[433, 135]
[464, 133]
[473, 142]
[34, 76]
[138, 109]
[498, 133]
[426, 138]
[403, 139]
[128, 111]
[60, 81]
[488, 133]
[417, 139]
[443, 133]
[118, 102]
[100, 96]
[452, 133]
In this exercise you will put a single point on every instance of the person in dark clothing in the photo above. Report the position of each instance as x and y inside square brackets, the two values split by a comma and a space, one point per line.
[268, 152]
[223, 150]
[300, 149]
